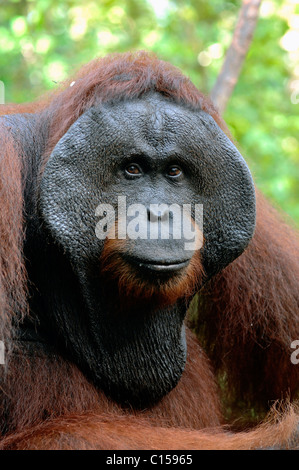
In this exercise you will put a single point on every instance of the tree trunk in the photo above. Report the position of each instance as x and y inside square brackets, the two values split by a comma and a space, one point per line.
[236, 54]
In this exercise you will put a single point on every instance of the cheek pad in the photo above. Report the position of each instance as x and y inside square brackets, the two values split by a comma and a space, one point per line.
[228, 198]
[70, 190]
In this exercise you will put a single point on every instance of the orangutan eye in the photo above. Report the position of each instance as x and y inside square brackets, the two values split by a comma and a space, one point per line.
[174, 171]
[133, 169]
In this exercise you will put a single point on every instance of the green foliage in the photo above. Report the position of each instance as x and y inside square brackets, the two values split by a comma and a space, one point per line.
[44, 41]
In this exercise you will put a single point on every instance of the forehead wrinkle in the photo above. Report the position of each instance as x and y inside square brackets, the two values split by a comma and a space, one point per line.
[157, 120]
[151, 124]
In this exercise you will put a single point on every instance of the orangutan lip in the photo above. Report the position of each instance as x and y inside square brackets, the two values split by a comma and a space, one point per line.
[164, 267]
[159, 266]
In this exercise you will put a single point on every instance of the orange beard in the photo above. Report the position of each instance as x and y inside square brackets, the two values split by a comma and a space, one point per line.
[136, 286]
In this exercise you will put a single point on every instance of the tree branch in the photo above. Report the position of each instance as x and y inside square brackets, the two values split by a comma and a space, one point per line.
[236, 54]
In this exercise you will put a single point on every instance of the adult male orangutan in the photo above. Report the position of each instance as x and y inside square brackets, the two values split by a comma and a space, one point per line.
[99, 350]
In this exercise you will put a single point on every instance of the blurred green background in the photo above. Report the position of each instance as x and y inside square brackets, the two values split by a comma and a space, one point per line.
[44, 41]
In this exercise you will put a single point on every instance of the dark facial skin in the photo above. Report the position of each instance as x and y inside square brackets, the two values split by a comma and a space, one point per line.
[151, 151]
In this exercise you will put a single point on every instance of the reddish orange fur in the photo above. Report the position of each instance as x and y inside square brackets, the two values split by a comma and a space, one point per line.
[247, 318]
[92, 431]
[70, 392]
[12, 273]
[253, 306]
